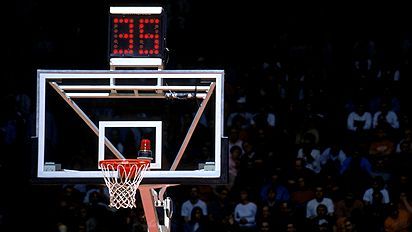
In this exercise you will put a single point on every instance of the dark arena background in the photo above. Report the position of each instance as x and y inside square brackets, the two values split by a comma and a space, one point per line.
[298, 81]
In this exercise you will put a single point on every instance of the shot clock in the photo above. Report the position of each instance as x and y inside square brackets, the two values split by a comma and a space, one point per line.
[137, 32]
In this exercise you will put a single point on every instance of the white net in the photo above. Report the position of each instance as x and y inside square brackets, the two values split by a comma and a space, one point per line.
[122, 178]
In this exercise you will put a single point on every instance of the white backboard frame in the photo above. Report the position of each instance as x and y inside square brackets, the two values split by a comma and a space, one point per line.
[52, 77]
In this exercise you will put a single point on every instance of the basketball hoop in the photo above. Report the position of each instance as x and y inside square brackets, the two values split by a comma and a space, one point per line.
[122, 177]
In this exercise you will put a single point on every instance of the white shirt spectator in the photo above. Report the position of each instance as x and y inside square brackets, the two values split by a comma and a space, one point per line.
[188, 206]
[313, 204]
[391, 118]
[354, 118]
[313, 165]
[368, 196]
[247, 211]
[270, 119]
[328, 155]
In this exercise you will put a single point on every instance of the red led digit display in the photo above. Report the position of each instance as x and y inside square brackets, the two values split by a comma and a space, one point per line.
[136, 36]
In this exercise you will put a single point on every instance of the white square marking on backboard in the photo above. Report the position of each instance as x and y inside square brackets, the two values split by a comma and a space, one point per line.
[158, 140]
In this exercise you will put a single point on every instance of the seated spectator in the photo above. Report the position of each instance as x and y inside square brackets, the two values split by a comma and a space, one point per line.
[349, 207]
[401, 184]
[301, 194]
[378, 185]
[332, 158]
[192, 202]
[220, 208]
[234, 139]
[332, 186]
[270, 200]
[385, 118]
[297, 171]
[359, 120]
[265, 218]
[381, 144]
[356, 172]
[245, 212]
[399, 220]
[285, 215]
[281, 192]
[308, 126]
[234, 164]
[310, 154]
[380, 168]
[322, 219]
[405, 143]
[264, 226]
[197, 223]
[345, 224]
[290, 227]
[384, 95]
[319, 199]
[375, 213]
[241, 117]
[251, 168]
[264, 118]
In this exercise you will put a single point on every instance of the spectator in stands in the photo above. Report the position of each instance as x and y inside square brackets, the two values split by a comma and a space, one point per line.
[291, 227]
[251, 171]
[284, 215]
[401, 184]
[265, 118]
[192, 202]
[322, 218]
[245, 213]
[308, 126]
[345, 224]
[384, 95]
[405, 143]
[220, 208]
[234, 164]
[332, 158]
[378, 185]
[356, 171]
[385, 118]
[197, 223]
[359, 120]
[381, 144]
[264, 218]
[274, 183]
[270, 201]
[241, 118]
[234, 138]
[264, 226]
[398, 220]
[359, 123]
[301, 194]
[297, 171]
[381, 168]
[375, 213]
[310, 154]
[349, 207]
[311, 207]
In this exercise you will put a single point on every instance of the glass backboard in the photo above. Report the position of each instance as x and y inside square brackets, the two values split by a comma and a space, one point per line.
[84, 116]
